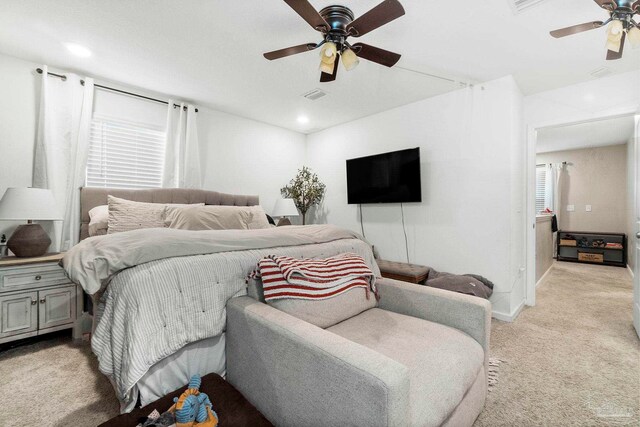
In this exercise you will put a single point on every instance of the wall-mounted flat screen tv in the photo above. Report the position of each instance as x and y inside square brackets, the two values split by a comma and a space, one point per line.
[385, 178]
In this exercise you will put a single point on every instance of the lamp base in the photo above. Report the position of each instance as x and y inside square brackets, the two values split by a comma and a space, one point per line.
[29, 240]
[284, 221]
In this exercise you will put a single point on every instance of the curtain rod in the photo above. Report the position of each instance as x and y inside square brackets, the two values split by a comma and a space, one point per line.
[62, 76]
[112, 89]
[545, 164]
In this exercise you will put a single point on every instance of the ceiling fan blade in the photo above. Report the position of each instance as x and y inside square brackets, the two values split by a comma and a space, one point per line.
[325, 77]
[380, 15]
[563, 32]
[607, 4]
[375, 54]
[276, 54]
[636, 6]
[309, 14]
[613, 55]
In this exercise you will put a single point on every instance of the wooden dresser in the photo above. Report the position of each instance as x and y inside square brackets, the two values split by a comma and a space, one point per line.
[36, 297]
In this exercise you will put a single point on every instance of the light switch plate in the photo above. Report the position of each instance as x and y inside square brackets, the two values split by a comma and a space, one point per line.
[571, 208]
[587, 208]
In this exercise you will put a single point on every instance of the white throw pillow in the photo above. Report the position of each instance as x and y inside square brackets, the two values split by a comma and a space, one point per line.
[99, 220]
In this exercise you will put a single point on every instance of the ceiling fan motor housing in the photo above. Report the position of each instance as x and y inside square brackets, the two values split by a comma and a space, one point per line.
[338, 18]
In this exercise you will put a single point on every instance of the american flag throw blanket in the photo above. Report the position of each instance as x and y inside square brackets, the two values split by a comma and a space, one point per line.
[313, 279]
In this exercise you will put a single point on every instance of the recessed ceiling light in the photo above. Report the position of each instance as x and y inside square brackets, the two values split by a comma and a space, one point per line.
[78, 50]
[303, 119]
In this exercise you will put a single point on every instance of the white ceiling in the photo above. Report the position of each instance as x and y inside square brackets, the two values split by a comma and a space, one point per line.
[210, 51]
[592, 134]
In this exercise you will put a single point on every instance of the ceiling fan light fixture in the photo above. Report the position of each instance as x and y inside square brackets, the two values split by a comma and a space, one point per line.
[634, 37]
[614, 43]
[326, 68]
[615, 28]
[349, 59]
[328, 53]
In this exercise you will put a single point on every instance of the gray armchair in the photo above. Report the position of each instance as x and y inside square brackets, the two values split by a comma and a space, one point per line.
[418, 359]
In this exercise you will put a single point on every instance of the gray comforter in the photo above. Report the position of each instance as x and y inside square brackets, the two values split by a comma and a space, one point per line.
[160, 289]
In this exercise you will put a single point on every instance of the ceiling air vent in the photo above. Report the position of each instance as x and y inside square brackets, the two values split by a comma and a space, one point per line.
[519, 6]
[315, 94]
[600, 72]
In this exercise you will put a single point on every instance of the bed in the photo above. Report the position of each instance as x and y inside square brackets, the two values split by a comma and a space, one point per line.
[160, 294]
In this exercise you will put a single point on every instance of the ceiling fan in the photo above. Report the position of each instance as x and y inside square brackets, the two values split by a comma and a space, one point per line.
[337, 23]
[621, 26]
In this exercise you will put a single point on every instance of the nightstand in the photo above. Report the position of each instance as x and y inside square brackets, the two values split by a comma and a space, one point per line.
[36, 297]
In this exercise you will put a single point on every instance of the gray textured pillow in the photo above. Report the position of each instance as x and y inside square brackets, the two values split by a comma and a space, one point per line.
[322, 313]
[126, 215]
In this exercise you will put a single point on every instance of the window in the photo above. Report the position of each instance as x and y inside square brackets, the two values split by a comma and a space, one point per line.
[127, 141]
[541, 181]
[125, 154]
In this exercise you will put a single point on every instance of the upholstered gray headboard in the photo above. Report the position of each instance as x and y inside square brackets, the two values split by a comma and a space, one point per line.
[91, 197]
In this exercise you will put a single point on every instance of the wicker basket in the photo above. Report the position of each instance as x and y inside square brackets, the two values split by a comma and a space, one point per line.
[590, 257]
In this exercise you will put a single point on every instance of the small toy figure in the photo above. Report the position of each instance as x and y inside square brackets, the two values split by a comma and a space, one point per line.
[193, 408]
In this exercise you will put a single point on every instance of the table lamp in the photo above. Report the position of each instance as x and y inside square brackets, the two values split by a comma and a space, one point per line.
[19, 204]
[283, 209]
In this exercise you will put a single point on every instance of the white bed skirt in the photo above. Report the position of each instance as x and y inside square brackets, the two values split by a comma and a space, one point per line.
[201, 357]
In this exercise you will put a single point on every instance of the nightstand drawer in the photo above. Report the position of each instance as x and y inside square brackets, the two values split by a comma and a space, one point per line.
[31, 276]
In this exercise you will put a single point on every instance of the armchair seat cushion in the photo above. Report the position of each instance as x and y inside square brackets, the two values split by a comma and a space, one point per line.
[443, 362]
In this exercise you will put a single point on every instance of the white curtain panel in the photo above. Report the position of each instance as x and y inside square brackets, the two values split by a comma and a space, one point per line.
[62, 142]
[557, 189]
[182, 156]
[549, 187]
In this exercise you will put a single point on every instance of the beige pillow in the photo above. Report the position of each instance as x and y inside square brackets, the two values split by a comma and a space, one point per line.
[99, 220]
[322, 313]
[126, 215]
[218, 218]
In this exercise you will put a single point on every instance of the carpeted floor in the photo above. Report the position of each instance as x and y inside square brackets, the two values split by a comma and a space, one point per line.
[573, 360]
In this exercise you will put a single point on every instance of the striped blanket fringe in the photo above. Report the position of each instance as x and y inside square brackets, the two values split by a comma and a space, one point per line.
[313, 279]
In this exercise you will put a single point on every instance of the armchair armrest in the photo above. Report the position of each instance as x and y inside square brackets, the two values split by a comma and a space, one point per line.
[466, 313]
[296, 373]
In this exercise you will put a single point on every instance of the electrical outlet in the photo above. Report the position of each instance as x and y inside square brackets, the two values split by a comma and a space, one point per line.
[587, 208]
[571, 208]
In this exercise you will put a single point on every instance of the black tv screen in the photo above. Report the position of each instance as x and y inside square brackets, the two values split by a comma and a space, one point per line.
[385, 178]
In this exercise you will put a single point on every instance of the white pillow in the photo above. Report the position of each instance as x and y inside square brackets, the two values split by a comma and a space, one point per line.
[99, 220]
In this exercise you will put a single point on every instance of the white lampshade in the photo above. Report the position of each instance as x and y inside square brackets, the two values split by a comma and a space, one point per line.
[285, 207]
[19, 204]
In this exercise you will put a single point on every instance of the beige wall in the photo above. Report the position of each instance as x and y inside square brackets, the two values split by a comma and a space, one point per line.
[544, 245]
[596, 177]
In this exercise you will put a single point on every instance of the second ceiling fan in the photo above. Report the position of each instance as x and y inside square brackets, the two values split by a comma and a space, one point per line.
[336, 24]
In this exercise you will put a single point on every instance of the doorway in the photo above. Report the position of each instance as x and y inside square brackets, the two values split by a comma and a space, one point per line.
[591, 153]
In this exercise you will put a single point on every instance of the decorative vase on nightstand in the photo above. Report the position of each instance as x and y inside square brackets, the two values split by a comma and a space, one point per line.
[29, 240]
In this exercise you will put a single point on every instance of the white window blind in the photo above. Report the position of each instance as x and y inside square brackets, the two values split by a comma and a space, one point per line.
[125, 154]
[541, 178]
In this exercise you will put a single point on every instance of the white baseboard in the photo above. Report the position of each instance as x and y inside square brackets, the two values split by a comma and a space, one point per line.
[508, 317]
[630, 271]
[544, 275]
